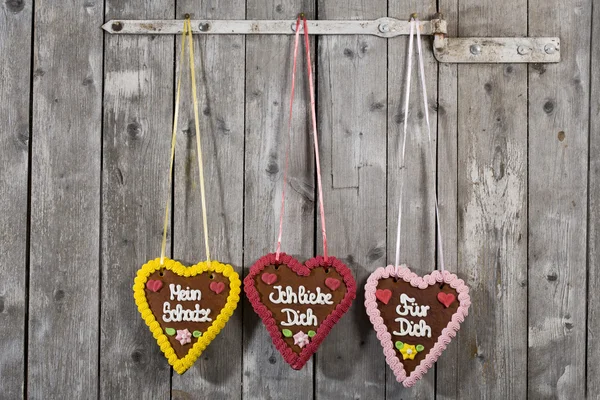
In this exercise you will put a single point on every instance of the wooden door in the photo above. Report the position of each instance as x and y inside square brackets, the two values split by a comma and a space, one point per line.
[85, 132]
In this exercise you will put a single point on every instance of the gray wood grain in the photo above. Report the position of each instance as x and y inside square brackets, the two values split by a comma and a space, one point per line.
[593, 302]
[65, 201]
[220, 80]
[492, 199]
[447, 385]
[138, 106]
[268, 73]
[352, 122]
[15, 44]
[558, 162]
[418, 241]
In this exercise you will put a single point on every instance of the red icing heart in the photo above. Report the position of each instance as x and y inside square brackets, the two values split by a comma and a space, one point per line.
[446, 298]
[332, 283]
[154, 285]
[217, 287]
[287, 266]
[269, 279]
[383, 295]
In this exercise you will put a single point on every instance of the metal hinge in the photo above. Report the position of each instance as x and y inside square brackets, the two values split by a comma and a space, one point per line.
[445, 49]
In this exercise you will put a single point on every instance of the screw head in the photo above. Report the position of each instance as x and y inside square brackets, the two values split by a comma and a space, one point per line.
[204, 27]
[384, 28]
[522, 50]
[475, 49]
[550, 48]
[117, 26]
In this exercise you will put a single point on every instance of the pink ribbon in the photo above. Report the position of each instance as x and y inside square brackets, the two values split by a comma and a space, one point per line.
[315, 137]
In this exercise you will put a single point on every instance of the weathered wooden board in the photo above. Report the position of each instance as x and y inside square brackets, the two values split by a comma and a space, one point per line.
[138, 106]
[447, 385]
[593, 302]
[418, 239]
[352, 121]
[65, 201]
[268, 80]
[492, 200]
[220, 81]
[15, 44]
[558, 166]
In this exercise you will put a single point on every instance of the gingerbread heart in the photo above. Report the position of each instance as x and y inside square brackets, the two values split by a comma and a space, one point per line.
[185, 307]
[418, 320]
[299, 304]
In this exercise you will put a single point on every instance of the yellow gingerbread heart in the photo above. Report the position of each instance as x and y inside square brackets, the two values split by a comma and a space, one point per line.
[185, 307]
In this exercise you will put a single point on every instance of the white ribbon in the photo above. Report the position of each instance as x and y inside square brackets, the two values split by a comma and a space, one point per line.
[414, 26]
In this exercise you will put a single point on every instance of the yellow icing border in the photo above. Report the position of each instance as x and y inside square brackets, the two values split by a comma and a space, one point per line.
[180, 365]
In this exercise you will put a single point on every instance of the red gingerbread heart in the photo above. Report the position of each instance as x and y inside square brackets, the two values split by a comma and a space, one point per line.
[300, 310]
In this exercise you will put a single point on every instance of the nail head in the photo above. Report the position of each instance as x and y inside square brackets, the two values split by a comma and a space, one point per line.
[549, 48]
[475, 49]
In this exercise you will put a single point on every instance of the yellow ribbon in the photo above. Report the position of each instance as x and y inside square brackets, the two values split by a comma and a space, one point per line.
[198, 145]
[187, 30]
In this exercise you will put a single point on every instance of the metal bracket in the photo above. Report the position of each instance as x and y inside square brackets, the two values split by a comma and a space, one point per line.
[445, 49]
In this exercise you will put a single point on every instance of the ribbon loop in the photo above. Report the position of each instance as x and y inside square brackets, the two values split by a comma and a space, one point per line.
[414, 26]
[315, 135]
[187, 31]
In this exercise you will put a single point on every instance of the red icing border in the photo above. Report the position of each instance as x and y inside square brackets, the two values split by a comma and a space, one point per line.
[297, 361]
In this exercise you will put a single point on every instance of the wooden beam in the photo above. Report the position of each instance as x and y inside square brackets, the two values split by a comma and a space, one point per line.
[352, 121]
[558, 171]
[418, 241]
[593, 301]
[448, 366]
[138, 107]
[15, 46]
[65, 201]
[492, 179]
[220, 79]
[268, 80]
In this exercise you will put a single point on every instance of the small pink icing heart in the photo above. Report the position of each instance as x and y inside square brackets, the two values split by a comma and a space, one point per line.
[446, 298]
[332, 283]
[383, 295]
[154, 285]
[269, 279]
[217, 287]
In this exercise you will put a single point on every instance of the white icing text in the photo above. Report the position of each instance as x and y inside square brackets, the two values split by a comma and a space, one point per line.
[297, 318]
[179, 313]
[302, 296]
[408, 306]
[288, 296]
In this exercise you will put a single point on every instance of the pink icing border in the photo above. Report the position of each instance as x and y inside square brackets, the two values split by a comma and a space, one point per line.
[386, 338]
[295, 360]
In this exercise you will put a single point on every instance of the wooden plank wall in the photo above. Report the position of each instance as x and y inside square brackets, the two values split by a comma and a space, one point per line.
[492, 198]
[85, 131]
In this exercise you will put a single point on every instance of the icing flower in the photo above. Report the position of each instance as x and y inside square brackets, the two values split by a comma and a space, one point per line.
[409, 351]
[301, 339]
[184, 336]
